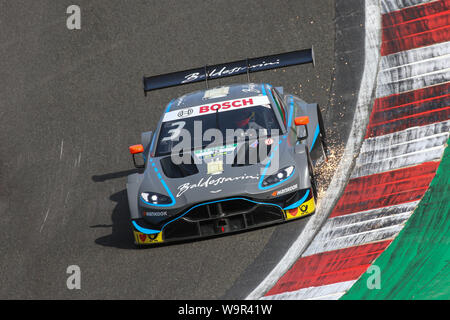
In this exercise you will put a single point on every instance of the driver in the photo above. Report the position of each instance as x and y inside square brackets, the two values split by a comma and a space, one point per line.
[246, 120]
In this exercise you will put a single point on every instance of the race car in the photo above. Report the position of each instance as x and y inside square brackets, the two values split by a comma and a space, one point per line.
[225, 159]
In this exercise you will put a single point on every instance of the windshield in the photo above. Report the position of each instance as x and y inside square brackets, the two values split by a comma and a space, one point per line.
[242, 123]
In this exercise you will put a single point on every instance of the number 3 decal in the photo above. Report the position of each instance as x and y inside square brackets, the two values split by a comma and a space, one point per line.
[174, 133]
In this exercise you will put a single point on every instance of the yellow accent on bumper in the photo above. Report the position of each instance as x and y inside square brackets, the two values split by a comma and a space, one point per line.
[142, 238]
[304, 209]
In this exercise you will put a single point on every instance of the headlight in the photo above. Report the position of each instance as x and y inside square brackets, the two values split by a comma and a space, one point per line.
[155, 198]
[281, 175]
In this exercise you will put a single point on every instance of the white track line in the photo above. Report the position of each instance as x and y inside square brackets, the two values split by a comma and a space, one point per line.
[347, 219]
[415, 69]
[397, 162]
[415, 55]
[388, 152]
[405, 136]
[391, 5]
[414, 83]
[405, 148]
[328, 292]
[356, 234]
[354, 240]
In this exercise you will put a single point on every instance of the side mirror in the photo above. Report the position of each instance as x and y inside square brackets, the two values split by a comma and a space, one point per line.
[134, 150]
[137, 148]
[302, 121]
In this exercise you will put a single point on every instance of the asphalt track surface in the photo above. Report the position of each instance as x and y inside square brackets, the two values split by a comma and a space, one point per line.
[71, 102]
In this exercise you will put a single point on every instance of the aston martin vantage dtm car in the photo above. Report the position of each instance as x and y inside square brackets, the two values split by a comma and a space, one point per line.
[260, 175]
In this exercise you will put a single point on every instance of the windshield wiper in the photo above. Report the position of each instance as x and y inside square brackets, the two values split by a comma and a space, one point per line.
[217, 120]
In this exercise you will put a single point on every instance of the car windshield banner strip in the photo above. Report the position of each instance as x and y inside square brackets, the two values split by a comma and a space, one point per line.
[229, 69]
[227, 105]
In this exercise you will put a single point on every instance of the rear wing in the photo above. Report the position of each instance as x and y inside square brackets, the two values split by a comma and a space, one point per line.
[229, 69]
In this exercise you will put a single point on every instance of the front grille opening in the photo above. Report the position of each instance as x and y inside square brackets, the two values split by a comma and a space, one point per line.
[263, 216]
[180, 229]
[222, 223]
[199, 213]
[218, 226]
[181, 170]
[220, 209]
[222, 217]
[207, 228]
[233, 206]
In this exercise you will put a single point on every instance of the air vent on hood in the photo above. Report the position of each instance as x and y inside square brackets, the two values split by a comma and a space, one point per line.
[172, 170]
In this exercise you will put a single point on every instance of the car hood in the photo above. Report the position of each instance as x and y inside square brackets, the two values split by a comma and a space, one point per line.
[231, 181]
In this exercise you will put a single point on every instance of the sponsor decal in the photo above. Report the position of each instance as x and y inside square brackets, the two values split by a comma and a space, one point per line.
[185, 112]
[226, 105]
[306, 208]
[285, 190]
[210, 181]
[224, 71]
[216, 93]
[222, 106]
[142, 238]
[155, 213]
[215, 167]
[215, 151]
[268, 141]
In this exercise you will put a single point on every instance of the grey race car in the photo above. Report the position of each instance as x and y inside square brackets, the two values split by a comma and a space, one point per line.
[259, 175]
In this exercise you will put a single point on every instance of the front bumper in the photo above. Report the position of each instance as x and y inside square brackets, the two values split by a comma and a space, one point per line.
[221, 217]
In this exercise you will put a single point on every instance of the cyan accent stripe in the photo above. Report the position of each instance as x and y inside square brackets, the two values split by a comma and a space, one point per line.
[291, 110]
[160, 179]
[291, 113]
[316, 134]
[144, 230]
[153, 141]
[263, 90]
[169, 105]
[167, 189]
[299, 202]
[154, 133]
